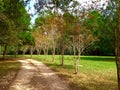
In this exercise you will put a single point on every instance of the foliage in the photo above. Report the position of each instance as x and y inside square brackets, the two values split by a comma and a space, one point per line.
[13, 20]
[7, 31]
[26, 38]
[103, 28]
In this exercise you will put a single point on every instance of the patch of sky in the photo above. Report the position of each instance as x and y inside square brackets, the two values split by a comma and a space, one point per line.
[83, 3]
[32, 11]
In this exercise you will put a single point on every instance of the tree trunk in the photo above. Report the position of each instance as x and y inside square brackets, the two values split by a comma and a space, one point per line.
[75, 61]
[117, 60]
[38, 51]
[24, 52]
[5, 52]
[45, 53]
[79, 55]
[31, 51]
[16, 51]
[75, 66]
[117, 41]
[74, 51]
[44, 50]
[53, 54]
[1, 50]
[62, 59]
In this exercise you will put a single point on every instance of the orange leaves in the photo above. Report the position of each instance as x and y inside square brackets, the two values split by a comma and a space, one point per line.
[83, 39]
[91, 16]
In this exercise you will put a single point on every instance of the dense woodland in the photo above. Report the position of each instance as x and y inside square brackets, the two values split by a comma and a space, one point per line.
[66, 25]
[62, 27]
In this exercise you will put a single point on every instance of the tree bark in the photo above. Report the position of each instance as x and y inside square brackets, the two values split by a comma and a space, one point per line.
[38, 51]
[79, 55]
[45, 52]
[53, 54]
[117, 41]
[5, 52]
[16, 51]
[74, 51]
[62, 59]
[117, 59]
[75, 66]
[31, 51]
[24, 52]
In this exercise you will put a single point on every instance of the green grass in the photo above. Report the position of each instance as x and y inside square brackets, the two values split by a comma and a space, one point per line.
[8, 71]
[97, 72]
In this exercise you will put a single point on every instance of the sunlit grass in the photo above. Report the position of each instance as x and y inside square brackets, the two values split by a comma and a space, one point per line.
[96, 73]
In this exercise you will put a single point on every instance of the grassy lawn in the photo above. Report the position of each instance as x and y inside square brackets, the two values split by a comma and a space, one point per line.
[97, 72]
[8, 71]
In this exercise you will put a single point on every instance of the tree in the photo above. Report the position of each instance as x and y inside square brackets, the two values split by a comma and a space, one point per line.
[1, 6]
[7, 35]
[117, 38]
[81, 36]
[27, 42]
[65, 27]
[47, 28]
[15, 18]
[52, 33]
[101, 25]
[52, 5]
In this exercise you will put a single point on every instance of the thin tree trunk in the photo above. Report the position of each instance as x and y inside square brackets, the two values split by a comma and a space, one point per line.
[78, 55]
[117, 61]
[1, 50]
[38, 51]
[53, 54]
[45, 53]
[75, 61]
[31, 51]
[117, 44]
[117, 57]
[24, 52]
[5, 52]
[62, 59]
[74, 51]
[44, 50]
[59, 56]
[75, 66]
[16, 51]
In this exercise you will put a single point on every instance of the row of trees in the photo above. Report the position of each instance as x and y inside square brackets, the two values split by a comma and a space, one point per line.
[62, 32]
[74, 29]
[61, 25]
[14, 21]
[104, 21]
[21, 34]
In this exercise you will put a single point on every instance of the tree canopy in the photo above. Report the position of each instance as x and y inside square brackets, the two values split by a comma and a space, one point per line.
[13, 20]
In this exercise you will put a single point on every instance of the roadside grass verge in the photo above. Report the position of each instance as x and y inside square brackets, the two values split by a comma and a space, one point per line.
[96, 73]
[8, 71]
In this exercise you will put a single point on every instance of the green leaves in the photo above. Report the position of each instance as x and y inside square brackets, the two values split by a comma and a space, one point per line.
[27, 38]
[1, 6]
[14, 19]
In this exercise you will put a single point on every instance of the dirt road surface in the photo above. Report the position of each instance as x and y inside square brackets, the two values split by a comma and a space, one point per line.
[34, 75]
